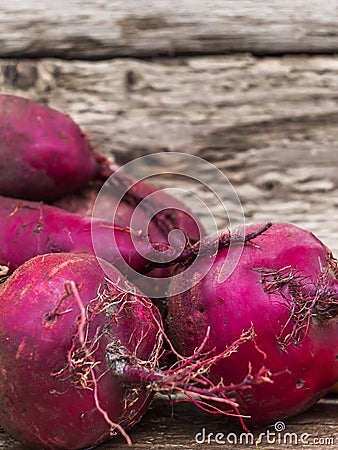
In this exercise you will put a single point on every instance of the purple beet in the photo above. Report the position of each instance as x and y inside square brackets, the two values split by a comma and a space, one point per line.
[43, 153]
[33, 228]
[285, 285]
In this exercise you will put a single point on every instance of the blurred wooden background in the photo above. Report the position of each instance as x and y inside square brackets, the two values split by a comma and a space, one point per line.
[251, 86]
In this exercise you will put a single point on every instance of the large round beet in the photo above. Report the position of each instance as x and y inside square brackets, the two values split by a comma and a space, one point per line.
[285, 286]
[63, 325]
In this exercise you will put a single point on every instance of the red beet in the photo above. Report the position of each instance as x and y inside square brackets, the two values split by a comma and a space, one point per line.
[285, 286]
[44, 154]
[79, 355]
[31, 228]
[166, 212]
[53, 351]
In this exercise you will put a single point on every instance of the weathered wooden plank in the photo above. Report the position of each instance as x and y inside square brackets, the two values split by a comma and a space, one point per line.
[269, 124]
[101, 29]
[164, 428]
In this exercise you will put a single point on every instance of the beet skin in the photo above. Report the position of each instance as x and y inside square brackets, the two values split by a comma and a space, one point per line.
[44, 154]
[32, 228]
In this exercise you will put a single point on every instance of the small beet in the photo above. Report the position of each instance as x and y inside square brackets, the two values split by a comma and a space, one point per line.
[44, 153]
[33, 228]
[126, 211]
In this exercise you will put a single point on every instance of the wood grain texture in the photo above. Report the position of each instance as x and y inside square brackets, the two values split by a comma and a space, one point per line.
[95, 29]
[163, 429]
[270, 124]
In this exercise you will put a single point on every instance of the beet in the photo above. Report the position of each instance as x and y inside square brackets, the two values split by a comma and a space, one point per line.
[175, 216]
[79, 356]
[44, 154]
[285, 286]
[50, 373]
[33, 228]
[46, 157]
[114, 201]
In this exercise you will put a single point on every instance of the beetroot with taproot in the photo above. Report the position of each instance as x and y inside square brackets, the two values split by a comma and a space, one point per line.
[126, 212]
[79, 356]
[45, 156]
[44, 153]
[33, 228]
[54, 378]
[285, 286]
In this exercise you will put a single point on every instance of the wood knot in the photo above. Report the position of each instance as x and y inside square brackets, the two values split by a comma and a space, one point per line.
[22, 75]
[132, 79]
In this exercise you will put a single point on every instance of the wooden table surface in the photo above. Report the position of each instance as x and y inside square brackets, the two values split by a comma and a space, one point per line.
[251, 88]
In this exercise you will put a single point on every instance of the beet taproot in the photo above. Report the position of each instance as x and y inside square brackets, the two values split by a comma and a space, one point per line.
[154, 218]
